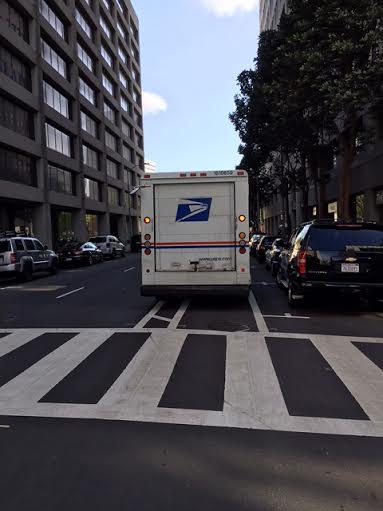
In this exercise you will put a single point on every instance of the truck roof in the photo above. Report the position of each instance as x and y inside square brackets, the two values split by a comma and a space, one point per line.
[198, 174]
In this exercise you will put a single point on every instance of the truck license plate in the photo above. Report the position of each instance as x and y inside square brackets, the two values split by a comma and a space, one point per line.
[350, 268]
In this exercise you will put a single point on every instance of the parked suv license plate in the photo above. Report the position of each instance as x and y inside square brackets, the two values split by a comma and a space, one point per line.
[350, 268]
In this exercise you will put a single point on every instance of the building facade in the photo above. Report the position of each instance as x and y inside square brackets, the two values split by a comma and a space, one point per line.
[367, 172]
[71, 132]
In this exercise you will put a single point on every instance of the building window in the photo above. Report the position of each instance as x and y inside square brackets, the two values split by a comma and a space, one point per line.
[14, 19]
[53, 58]
[58, 140]
[107, 56]
[55, 99]
[106, 4]
[121, 30]
[133, 30]
[85, 58]
[138, 118]
[127, 199]
[120, 6]
[110, 140]
[15, 68]
[110, 112]
[136, 97]
[90, 157]
[125, 176]
[17, 168]
[105, 26]
[111, 168]
[88, 124]
[127, 153]
[91, 189]
[52, 18]
[124, 80]
[139, 140]
[113, 196]
[84, 24]
[87, 91]
[136, 76]
[91, 221]
[60, 180]
[127, 129]
[108, 84]
[122, 55]
[125, 105]
[16, 118]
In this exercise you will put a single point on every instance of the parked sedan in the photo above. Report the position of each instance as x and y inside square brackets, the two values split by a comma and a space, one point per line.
[80, 253]
[263, 245]
[272, 255]
[109, 245]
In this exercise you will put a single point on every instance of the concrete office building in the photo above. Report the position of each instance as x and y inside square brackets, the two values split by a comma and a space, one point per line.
[71, 138]
[367, 172]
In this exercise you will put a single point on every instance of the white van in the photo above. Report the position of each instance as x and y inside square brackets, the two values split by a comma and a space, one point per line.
[195, 233]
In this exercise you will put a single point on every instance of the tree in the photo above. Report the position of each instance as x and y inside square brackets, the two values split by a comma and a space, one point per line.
[337, 47]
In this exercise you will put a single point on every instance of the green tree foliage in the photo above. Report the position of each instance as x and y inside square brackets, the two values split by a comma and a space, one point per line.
[314, 79]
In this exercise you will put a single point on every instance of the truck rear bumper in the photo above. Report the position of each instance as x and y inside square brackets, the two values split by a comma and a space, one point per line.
[225, 290]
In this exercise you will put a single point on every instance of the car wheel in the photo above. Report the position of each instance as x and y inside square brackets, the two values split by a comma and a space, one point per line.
[101, 258]
[27, 274]
[122, 253]
[278, 279]
[90, 260]
[274, 270]
[53, 268]
[114, 254]
[291, 297]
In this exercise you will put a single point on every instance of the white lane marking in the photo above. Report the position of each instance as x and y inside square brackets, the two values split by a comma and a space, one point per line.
[70, 293]
[4, 426]
[150, 314]
[11, 287]
[261, 323]
[162, 318]
[129, 269]
[285, 316]
[179, 314]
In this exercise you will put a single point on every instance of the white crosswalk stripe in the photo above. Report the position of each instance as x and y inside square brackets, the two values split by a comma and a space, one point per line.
[252, 396]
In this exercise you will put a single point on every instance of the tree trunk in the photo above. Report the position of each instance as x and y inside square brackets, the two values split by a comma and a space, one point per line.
[322, 170]
[347, 144]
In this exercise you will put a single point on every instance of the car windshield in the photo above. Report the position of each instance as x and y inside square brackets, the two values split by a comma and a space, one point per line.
[4, 246]
[98, 239]
[339, 239]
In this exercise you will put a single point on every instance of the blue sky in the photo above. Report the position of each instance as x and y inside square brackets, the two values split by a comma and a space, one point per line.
[191, 54]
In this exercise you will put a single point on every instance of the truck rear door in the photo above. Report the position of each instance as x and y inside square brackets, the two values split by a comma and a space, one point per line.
[195, 227]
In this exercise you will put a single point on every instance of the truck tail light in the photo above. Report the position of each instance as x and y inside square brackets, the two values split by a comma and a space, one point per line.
[242, 218]
[302, 262]
[13, 258]
[147, 220]
[242, 235]
[148, 251]
[147, 237]
[242, 250]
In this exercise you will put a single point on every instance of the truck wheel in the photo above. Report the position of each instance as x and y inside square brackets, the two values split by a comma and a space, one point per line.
[90, 260]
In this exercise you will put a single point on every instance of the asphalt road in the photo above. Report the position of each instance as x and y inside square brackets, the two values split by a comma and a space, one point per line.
[111, 400]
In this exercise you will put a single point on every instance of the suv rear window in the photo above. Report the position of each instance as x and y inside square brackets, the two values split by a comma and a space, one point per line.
[98, 239]
[5, 246]
[339, 239]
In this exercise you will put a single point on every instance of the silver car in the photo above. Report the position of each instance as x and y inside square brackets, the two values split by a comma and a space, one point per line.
[109, 245]
[22, 256]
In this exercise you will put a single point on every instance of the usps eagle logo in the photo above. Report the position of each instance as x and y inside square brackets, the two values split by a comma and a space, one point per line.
[194, 210]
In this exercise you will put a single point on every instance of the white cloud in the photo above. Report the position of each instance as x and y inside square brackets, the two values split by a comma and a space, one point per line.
[153, 104]
[230, 7]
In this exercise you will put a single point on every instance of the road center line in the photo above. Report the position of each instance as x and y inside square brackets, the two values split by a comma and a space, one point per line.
[4, 426]
[129, 269]
[286, 316]
[70, 293]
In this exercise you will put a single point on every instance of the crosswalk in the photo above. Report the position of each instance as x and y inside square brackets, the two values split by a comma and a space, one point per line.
[238, 380]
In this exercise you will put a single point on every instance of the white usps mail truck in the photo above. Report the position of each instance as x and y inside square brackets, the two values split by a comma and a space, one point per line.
[195, 232]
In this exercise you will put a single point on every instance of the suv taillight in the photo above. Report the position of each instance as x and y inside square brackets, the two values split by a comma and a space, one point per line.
[13, 258]
[302, 262]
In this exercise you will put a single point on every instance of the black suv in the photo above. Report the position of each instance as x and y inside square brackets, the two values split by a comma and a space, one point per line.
[331, 255]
